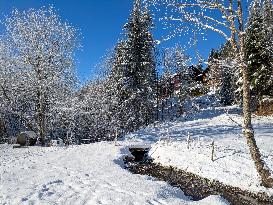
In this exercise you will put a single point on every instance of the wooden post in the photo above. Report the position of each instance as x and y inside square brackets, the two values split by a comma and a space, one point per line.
[188, 140]
[212, 150]
[168, 134]
[116, 137]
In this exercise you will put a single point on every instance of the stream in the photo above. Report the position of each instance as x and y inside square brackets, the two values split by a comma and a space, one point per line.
[193, 186]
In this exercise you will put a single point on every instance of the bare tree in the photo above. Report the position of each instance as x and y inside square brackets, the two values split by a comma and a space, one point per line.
[225, 17]
[43, 51]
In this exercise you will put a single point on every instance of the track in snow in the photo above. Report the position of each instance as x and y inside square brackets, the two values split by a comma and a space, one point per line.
[87, 174]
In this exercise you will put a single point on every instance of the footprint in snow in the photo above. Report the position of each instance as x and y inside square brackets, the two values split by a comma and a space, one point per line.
[155, 202]
[24, 199]
[58, 181]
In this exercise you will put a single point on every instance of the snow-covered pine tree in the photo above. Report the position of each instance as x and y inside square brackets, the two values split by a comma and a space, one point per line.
[268, 23]
[267, 12]
[226, 92]
[213, 70]
[116, 88]
[257, 49]
[223, 73]
[176, 62]
[100, 109]
[134, 71]
[230, 74]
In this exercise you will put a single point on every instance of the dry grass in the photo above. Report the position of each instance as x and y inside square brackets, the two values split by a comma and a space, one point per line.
[265, 107]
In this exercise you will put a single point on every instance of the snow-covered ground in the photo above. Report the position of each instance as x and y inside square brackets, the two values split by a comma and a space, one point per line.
[93, 174]
[232, 164]
[87, 174]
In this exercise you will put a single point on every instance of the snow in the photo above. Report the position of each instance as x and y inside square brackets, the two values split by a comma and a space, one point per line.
[232, 164]
[30, 134]
[94, 174]
[86, 174]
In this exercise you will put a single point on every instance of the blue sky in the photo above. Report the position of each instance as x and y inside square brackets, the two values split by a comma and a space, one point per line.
[100, 22]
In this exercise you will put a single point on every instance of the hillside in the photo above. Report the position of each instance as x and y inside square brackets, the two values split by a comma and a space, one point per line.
[186, 143]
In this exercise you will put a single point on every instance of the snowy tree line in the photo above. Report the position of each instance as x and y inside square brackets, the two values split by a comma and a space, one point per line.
[223, 70]
[39, 87]
[127, 95]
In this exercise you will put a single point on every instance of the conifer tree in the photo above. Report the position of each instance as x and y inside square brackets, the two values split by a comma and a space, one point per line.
[226, 92]
[268, 23]
[268, 20]
[223, 73]
[134, 71]
[116, 88]
[258, 52]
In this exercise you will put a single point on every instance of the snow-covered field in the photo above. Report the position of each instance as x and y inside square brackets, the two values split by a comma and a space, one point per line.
[232, 164]
[94, 174]
[87, 174]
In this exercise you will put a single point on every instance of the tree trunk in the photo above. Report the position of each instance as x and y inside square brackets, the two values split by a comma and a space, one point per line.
[41, 116]
[3, 130]
[248, 131]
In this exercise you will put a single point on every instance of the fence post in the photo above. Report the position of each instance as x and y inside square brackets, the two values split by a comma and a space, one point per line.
[212, 150]
[116, 137]
[188, 140]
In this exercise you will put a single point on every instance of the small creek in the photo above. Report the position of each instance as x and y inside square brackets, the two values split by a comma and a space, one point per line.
[192, 185]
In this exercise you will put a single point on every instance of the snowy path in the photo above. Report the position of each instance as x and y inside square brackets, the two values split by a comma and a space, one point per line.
[87, 174]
